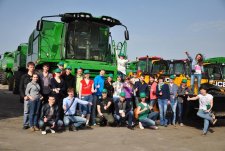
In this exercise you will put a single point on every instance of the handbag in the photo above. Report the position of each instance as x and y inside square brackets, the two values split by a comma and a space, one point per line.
[169, 112]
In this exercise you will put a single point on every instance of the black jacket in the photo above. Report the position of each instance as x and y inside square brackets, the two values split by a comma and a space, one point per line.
[45, 112]
[109, 88]
[142, 87]
[25, 79]
[69, 81]
[126, 106]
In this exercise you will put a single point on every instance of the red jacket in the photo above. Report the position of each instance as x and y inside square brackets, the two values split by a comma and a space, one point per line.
[153, 91]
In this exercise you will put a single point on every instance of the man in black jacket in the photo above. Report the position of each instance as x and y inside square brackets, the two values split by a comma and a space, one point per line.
[50, 116]
[124, 111]
[25, 79]
[69, 78]
[141, 86]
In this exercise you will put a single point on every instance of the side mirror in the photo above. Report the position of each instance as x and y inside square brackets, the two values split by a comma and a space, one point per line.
[39, 25]
[126, 34]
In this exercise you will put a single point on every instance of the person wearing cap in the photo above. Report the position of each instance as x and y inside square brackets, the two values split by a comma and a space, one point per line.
[134, 77]
[68, 78]
[146, 115]
[121, 64]
[173, 98]
[104, 108]
[124, 111]
[205, 108]
[99, 81]
[152, 85]
[163, 94]
[109, 86]
[85, 93]
[182, 92]
[139, 87]
[58, 89]
[61, 67]
[117, 85]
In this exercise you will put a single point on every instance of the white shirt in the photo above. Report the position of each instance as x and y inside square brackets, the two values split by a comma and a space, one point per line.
[204, 100]
[121, 65]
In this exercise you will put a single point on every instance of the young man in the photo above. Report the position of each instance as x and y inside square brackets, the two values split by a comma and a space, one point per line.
[124, 111]
[104, 107]
[173, 98]
[205, 108]
[25, 79]
[78, 78]
[69, 78]
[108, 85]
[99, 81]
[69, 107]
[45, 82]
[139, 87]
[50, 116]
[182, 92]
[134, 77]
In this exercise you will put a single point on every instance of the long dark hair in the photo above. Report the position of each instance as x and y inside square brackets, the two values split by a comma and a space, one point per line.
[200, 61]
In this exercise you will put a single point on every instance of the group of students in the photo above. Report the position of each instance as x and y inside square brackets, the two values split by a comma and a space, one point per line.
[53, 101]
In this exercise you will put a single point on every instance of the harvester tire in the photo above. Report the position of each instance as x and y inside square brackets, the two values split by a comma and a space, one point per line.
[11, 83]
[4, 78]
[16, 81]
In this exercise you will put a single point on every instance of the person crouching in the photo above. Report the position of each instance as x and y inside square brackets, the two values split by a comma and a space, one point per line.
[69, 106]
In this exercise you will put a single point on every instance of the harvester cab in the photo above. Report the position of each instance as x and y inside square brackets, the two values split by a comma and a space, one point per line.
[79, 40]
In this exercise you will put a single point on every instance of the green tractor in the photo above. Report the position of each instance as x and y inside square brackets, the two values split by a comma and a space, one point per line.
[6, 74]
[19, 67]
[79, 40]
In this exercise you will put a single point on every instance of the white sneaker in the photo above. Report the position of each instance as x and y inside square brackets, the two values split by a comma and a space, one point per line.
[181, 124]
[52, 131]
[154, 127]
[140, 126]
[43, 132]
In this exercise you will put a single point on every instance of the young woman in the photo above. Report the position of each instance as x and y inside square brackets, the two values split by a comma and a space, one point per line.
[196, 69]
[205, 107]
[163, 94]
[59, 90]
[34, 97]
[109, 86]
[128, 89]
[85, 93]
[145, 116]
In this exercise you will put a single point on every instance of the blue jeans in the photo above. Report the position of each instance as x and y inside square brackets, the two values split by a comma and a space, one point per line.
[150, 120]
[42, 124]
[199, 77]
[180, 112]
[162, 111]
[207, 118]
[93, 108]
[26, 113]
[129, 115]
[34, 112]
[173, 103]
[75, 120]
[115, 99]
[86, 109]
[152, 102]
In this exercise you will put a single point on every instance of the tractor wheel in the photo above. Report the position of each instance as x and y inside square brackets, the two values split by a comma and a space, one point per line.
[16, 81]
[11, 83]
[4, 78]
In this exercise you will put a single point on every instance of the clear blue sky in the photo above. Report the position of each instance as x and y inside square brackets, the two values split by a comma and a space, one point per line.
[157, 27]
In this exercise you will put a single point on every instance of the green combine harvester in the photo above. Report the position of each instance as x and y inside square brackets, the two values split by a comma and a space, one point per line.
[79, 40]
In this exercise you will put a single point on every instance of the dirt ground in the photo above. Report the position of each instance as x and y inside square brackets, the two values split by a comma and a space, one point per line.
[187, 138]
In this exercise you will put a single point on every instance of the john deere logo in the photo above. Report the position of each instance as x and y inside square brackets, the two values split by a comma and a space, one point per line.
[220, 84]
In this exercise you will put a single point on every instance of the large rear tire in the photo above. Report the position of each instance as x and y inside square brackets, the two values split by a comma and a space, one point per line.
[4, 78]
[11, 83]
[16, 81]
